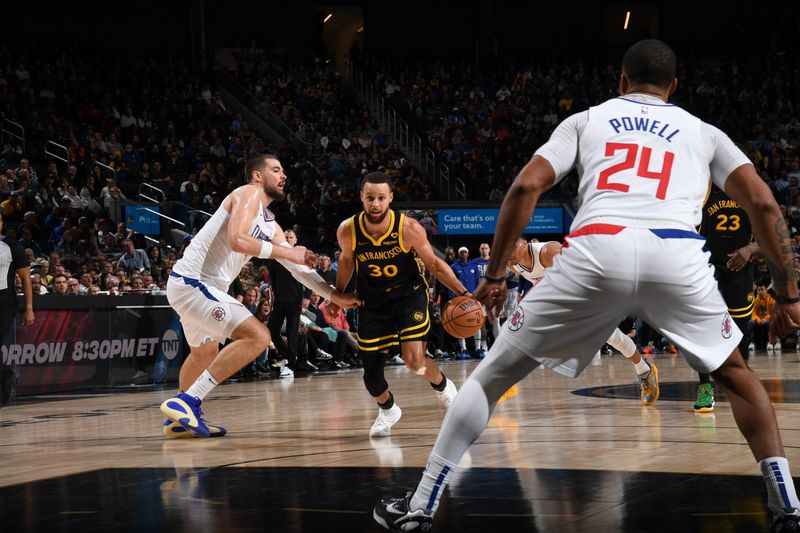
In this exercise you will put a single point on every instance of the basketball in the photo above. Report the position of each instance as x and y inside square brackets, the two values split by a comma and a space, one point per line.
[463, 317]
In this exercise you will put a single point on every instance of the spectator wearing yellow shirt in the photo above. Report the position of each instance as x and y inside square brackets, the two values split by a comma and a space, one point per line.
[759, 322]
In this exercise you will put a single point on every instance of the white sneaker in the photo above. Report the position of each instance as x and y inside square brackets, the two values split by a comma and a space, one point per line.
[770, 347]
[752, 347]
[286, 372]
[382, 426]
[396, 360]
[448, 394]
[322, 355]
[778, 345]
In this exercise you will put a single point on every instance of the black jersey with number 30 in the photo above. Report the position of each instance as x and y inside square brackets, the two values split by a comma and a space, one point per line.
[725, 226]
[384, 265]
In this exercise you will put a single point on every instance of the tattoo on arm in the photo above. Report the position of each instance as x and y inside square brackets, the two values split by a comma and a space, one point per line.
[784, 272]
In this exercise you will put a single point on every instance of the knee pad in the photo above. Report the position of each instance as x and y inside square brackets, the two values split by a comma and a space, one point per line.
[373, 372]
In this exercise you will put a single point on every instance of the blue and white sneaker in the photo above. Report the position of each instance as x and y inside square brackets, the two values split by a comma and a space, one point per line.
[185, 410]
[173, 430]
[393, 514]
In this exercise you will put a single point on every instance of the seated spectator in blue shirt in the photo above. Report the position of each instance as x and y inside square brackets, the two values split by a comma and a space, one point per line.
[132, 259]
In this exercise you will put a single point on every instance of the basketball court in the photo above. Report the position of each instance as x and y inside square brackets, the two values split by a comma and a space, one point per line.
[559, 456]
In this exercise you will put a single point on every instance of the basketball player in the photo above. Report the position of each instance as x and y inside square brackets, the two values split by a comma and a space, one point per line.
[529, 259]
[242, 227]
[644, 168]
[385, 246]
[729, 238]
[13, 262]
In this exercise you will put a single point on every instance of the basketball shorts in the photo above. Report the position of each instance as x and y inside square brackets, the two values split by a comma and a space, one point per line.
[737, 289]
[207, 314]
[394, 321]
[662, 276]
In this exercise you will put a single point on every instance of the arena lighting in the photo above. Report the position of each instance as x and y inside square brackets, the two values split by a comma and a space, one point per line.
[627, 19]
[359, 30]
[327, 18]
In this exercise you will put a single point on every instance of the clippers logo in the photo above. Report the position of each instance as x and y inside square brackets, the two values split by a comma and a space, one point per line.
[727, 329]
[516, 319]
[418, 316]
[218, 314]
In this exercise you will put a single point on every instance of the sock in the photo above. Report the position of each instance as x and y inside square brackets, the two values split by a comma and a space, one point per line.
[432, 484]
[485, 346]
[642, 368]
[780, 486]
[388, 404]
[704, 378]
[462, 344]
[204, 384]
[440, 387]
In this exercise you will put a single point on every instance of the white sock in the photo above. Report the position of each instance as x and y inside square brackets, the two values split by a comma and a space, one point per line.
[780, 486]
[462, 344]
[642, 368]
[485, 346]
[432, 484]
[204, 384]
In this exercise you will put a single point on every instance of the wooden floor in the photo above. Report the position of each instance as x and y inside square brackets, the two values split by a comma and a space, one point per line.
[562, 455]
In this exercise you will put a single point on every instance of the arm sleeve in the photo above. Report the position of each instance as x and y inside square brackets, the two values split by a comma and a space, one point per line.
[561, 151]
[307, 276]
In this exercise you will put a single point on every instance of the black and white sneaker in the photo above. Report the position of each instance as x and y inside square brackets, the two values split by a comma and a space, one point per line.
[393, 514]
[786, 521]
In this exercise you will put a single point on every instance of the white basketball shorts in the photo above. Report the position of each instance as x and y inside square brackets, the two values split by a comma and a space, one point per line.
[206, 312]
[606, 273]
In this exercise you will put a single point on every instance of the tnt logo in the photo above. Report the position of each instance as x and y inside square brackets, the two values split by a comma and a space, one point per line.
[727, 328]
[516, 319]
[169, 344]
[218, 314]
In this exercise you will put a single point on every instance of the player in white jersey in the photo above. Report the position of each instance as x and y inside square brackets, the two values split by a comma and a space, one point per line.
[241, 228]
[530, 259]
[644, 167]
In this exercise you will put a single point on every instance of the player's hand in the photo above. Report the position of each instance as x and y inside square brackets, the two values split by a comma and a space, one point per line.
[310, 259]
[343, 300]
[784, 319]
[493, 298]
[27, 317]
[297, 255]
[739, 258]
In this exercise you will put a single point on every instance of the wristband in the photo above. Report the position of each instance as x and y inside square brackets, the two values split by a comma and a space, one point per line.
[784, 300]
[464, 293]
[493, 280]
[266, 250]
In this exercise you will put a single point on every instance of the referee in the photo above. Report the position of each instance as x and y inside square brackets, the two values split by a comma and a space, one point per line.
[12, 263]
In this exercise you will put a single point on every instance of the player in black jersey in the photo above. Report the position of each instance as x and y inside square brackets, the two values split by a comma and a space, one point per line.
[729, 238]
[385, 248]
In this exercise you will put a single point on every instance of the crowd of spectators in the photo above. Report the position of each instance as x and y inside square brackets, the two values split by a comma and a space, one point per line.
[154, 121]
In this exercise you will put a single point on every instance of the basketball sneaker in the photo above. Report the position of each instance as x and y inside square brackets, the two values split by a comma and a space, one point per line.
[705, 398]
[185, 410]
[648, 385]
[386, 418]
[393, 514]
[448, 394]
[786, 520]
[173, 430]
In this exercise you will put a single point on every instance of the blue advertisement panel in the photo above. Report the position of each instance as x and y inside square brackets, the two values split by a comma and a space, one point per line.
[140, 220]
[482, 221]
